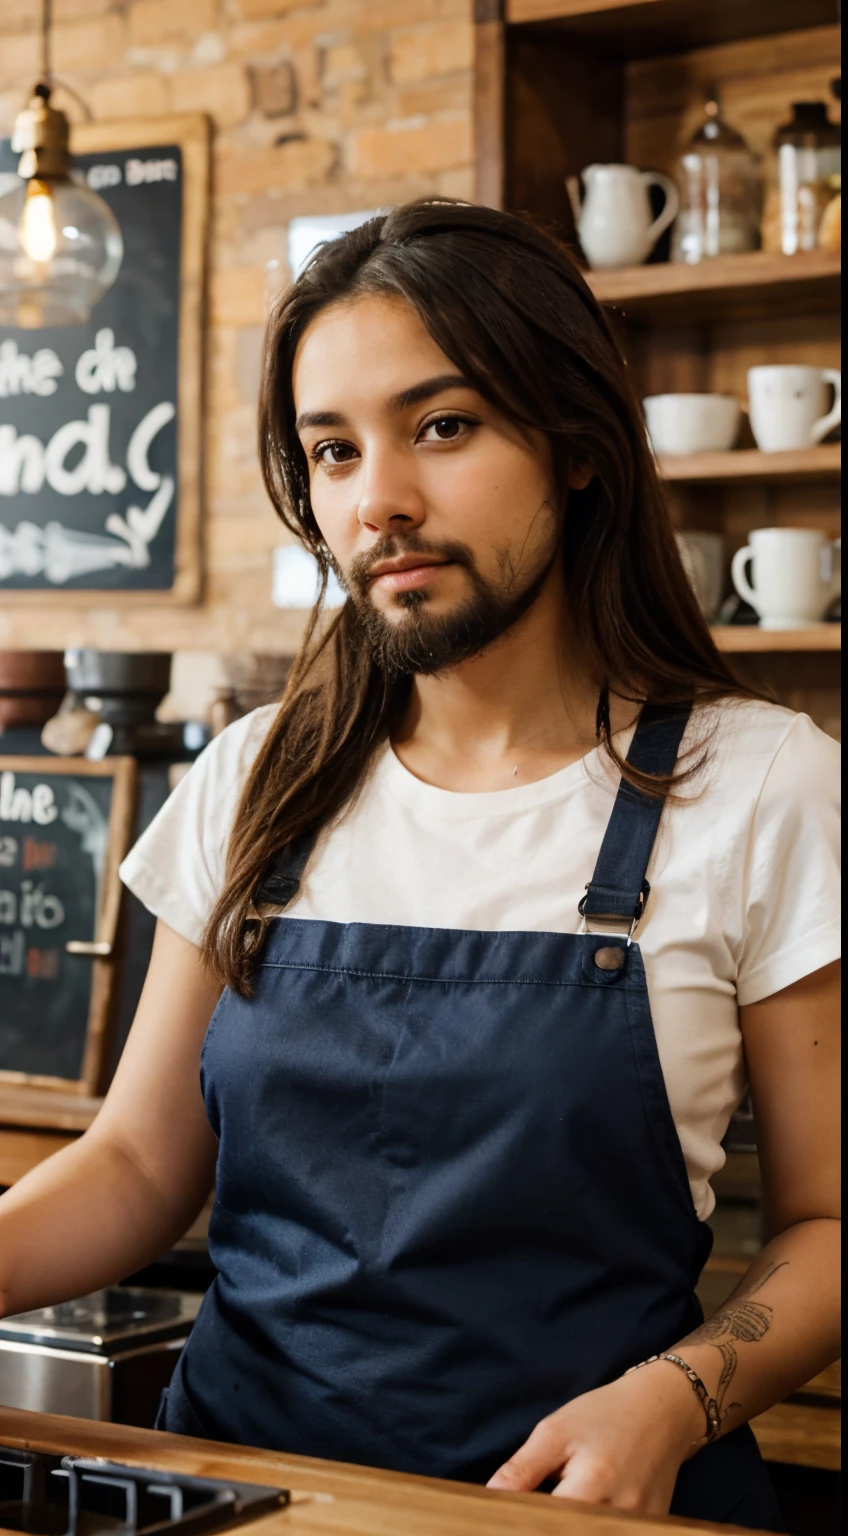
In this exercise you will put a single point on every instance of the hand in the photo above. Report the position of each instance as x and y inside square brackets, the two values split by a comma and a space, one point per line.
[620, 1445]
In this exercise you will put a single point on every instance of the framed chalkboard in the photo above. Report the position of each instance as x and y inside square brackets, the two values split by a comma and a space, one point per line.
[65, 824]
[100, 435]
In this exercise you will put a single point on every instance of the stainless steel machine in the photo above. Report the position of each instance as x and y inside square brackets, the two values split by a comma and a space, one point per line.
[105, 1356]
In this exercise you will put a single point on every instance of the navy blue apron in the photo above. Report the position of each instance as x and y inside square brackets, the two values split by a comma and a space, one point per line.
[450, 1193]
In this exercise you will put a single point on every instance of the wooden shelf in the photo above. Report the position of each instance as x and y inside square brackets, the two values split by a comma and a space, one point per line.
[739, 638]
[756, 284]
[804, 464]
[642, 28]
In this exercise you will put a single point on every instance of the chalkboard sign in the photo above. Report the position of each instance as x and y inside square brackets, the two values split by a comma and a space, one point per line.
[64, 828]
[100, 422]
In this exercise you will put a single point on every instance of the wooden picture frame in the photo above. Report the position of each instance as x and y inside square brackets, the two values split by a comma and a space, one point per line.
[192, 133]
[101, 950]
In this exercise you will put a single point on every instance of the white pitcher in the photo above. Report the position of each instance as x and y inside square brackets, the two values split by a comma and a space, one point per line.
[614, 219]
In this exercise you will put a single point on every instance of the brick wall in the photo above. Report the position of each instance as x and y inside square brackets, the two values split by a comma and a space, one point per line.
[318, 106]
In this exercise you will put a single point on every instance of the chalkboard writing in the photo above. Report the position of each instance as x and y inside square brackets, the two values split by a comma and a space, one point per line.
[90, 414]
[57, 860]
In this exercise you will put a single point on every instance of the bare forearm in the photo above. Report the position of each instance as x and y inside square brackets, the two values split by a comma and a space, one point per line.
[83, 1219]
[778, 1329]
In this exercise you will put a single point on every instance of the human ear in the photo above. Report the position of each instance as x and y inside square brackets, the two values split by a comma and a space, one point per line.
[579, 476]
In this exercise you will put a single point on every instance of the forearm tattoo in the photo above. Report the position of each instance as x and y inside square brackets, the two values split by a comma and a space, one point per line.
[741, 1320]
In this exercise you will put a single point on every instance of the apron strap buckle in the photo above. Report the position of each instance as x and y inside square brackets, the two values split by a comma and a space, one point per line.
[607, 906]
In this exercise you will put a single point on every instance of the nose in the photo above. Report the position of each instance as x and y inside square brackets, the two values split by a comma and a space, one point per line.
[390, 500]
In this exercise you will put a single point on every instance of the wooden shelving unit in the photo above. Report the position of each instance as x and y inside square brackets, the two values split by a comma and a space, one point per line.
[802, 466]
[744, 639]
[751, 285]
[561, 84]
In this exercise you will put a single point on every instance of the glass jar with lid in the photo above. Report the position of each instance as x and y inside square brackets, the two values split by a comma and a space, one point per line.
[805, 172]
[720, 185]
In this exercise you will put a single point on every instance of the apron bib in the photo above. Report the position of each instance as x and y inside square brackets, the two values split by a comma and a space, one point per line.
[450, 1195]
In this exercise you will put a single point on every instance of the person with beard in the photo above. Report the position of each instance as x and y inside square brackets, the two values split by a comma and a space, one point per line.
[508, 898]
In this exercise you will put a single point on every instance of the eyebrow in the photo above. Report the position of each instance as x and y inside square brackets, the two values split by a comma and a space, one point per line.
[399, 402]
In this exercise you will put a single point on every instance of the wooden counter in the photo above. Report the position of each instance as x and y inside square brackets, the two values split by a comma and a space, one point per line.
[331, 1499]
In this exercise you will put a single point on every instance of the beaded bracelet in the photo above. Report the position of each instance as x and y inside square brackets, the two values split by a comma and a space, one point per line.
[709, 1404]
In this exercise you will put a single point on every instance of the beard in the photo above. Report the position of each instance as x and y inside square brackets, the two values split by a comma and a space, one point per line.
[423, 643]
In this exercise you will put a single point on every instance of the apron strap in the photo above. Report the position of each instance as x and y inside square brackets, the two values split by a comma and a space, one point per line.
[282, 882]
[618, 890]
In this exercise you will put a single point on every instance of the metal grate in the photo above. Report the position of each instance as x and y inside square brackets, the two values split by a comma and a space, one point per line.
[47, 1495]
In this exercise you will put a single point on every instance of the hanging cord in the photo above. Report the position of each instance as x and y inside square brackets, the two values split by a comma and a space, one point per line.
[48, 83]
[46, 27]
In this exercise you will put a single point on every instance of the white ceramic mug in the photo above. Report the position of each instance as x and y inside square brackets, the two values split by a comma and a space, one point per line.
[702, 554]
[794, 576]
[788, 405]
[692, 423]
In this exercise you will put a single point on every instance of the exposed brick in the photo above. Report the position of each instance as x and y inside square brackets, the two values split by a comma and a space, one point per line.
[129, 96]
[458, 183]
[19, 15]
[222, 90]
[153, 21]
[19, 59]
[261, 41]
[251, 9]
[421, 52]
[249, 346]
[89, 46]
[382, 15]
[275, 89]
[237, 297]
[412, 144]
[79, 10]
[448, 94]
[285, 165]
[210, 48]
[342, 61]
[306, 64]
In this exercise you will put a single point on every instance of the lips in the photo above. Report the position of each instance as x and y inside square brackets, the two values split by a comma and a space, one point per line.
[404, 563]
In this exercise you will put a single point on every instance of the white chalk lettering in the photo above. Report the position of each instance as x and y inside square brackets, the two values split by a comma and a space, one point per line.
[44, 807]
[18, 804]
[138, 171]
[21, 463]
[39, 907]
[12, 953]
[24, 375]
[139, 445]
[100, 176]
[94, 472]
[105, 366]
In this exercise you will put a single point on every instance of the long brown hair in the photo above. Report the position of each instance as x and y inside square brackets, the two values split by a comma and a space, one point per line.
[510, 308]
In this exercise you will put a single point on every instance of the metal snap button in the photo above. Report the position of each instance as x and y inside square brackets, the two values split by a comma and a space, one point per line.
[609, 959]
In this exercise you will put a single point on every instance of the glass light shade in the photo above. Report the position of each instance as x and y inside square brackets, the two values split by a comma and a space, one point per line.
[60, 249]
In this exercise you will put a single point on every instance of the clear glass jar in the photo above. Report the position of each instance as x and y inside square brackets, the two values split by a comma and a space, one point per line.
[720, 185]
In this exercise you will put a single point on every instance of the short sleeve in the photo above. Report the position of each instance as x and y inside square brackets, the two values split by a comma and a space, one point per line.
[792, 896]
[176, 868]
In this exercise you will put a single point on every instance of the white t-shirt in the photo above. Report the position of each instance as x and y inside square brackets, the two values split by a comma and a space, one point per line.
[744, 877]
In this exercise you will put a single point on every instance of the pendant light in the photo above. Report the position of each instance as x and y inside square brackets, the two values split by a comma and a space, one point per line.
[60, 244]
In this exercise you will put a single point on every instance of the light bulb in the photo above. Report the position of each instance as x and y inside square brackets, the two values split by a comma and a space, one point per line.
[37, 229]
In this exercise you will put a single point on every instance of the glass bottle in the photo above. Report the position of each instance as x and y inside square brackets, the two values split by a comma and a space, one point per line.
[808, 154]
[720, 187]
